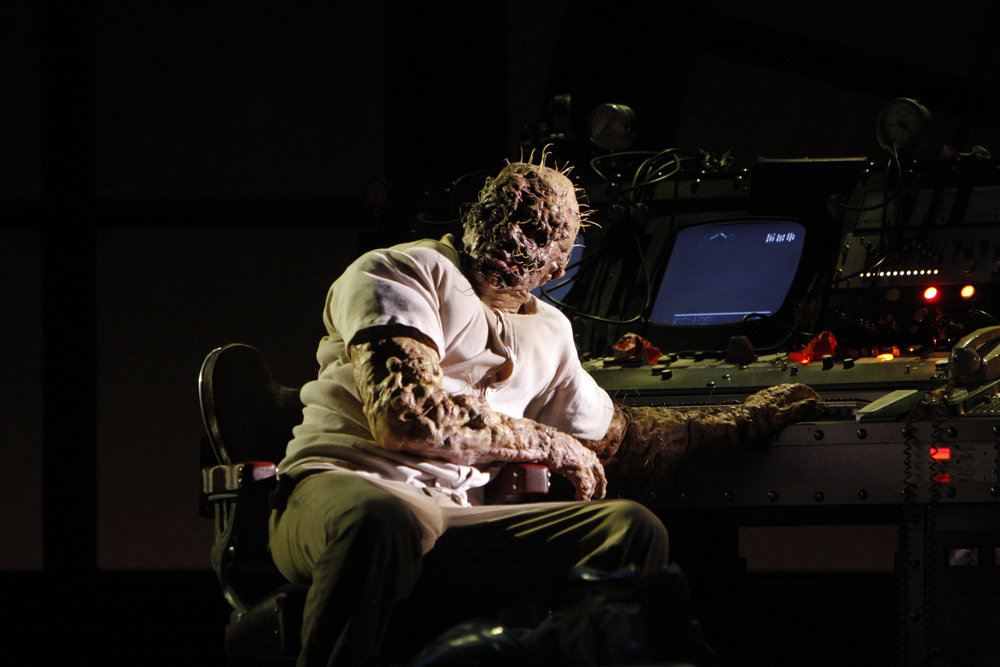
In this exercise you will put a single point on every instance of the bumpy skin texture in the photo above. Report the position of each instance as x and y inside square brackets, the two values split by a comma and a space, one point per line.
[520, 233]
[399, 380]
[654, 440]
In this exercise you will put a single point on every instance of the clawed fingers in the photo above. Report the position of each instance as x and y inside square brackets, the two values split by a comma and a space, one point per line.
[602, 485]
[803, 392]
[782, 395]
[589, 481]
[809, 408]
[569, 458]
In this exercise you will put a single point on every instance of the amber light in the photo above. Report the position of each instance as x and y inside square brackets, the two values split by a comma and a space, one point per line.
[884, 357]
[931, 294]
[968, 292]
[940, 453]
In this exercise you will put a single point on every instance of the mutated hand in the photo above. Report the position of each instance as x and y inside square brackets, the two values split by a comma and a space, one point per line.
[569, 458]
[776, 407]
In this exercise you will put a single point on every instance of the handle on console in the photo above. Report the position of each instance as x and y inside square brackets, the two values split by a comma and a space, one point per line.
[976, 357]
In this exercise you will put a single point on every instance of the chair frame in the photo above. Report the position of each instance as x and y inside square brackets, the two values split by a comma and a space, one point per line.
[236, 495]
[237, 485]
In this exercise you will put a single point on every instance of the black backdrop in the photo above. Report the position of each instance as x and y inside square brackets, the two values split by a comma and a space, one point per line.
[177, 175]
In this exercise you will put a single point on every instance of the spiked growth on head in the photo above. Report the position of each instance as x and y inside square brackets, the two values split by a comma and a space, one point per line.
[520, 232]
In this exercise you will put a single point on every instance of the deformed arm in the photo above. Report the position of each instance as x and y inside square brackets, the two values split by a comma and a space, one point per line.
[655, 439]
[399, 380]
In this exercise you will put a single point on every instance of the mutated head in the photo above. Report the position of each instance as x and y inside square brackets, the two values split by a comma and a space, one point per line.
[520, 233]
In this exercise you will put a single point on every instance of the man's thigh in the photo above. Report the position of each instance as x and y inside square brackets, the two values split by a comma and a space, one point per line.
[324, 504]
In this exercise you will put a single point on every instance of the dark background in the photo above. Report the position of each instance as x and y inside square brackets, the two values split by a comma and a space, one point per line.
[179, 175]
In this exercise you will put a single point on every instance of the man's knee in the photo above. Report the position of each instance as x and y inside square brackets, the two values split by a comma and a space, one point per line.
[375, 516]
[641, 534]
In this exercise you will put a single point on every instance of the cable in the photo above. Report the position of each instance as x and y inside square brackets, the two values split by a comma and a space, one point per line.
[933, 498]
[582, 313]
[607, 156]
[570, 278]
[905, 547]
[893, 159]
[983, 313]
[769, 349]
[883, 205]
[644, 175]
[859, 273]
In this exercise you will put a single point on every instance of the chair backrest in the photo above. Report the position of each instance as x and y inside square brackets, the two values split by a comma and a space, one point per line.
[248, 420]
[247, 415]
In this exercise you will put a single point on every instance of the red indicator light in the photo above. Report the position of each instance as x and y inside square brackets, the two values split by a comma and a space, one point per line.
[941, 478]
[931, 294]
[968, 292]
[940, 453]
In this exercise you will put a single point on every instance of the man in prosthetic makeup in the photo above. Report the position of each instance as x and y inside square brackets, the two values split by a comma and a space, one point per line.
[439, 366]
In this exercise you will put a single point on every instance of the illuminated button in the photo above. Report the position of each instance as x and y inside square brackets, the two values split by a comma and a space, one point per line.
[968, 292]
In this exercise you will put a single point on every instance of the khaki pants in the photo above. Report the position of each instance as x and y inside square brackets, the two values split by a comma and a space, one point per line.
[368, 547]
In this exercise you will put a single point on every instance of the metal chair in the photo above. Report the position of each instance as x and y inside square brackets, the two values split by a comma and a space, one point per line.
[248, 420]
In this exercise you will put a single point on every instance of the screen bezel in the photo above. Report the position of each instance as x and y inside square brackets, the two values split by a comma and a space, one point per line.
[714, 337]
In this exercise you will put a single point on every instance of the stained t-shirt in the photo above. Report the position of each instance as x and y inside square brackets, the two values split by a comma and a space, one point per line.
[420, 285]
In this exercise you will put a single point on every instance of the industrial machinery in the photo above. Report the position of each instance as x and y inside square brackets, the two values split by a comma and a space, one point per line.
[876, 283]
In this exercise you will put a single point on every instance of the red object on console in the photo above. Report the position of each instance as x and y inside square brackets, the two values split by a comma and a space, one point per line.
[633, 345]
[822, 344]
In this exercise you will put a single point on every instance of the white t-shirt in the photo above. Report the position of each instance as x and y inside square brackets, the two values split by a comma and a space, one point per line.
[420, 285]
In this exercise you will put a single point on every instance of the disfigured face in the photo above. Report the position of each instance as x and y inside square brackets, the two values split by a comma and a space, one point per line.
[520, 233]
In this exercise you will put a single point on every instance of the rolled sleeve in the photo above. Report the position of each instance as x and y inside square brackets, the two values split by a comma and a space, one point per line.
[386, 288]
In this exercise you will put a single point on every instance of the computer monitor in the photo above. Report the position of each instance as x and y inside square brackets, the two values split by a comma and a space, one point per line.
[728, 271]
